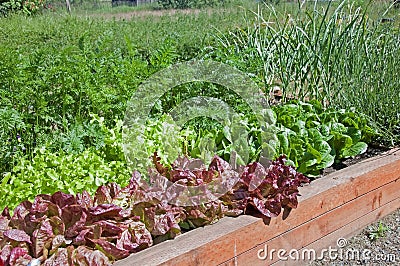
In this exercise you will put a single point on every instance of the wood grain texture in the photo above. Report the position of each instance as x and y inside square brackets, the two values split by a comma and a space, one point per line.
[345, 232]
[324, 225]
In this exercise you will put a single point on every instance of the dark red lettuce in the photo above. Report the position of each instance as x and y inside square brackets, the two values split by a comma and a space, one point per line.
[42, 238]
[60, 257]
[85, 256]
[17, 235]
[62, 229]
[19, 256]
[267, 190]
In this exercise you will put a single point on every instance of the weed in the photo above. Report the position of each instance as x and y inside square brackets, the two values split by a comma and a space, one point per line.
[378, 232]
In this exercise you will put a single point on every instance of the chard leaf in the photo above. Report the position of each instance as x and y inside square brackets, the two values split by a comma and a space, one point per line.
[358, 148]
[314, 152]
[326, 161]
[284, 142]
[354, 133]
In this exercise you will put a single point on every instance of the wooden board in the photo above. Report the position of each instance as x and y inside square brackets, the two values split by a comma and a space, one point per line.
[324, 225]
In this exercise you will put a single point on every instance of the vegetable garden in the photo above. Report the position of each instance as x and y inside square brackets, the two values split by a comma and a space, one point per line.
[329, 71]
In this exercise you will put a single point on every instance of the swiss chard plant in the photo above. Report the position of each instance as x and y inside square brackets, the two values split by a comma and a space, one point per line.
[314, 138]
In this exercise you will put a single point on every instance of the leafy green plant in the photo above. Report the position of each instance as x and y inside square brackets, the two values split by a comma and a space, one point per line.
[378, 232]
[49, 172]
[314, 138]
[159, 135]
[68, 171]
[12, 146]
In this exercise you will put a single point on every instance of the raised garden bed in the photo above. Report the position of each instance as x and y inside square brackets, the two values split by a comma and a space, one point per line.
[335, 206]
